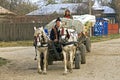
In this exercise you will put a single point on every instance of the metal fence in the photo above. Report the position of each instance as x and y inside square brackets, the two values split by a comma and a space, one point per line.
[17, 31]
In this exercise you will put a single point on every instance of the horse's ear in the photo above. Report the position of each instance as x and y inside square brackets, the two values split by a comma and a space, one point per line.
[34, 28]
[42, 27]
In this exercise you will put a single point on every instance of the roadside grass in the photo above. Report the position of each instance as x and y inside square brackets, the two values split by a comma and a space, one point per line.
[104, 38]
[3, 61]
[16, 43]
[30, 42]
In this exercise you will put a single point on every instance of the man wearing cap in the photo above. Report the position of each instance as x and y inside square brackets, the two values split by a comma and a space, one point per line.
[55, 36]
[55, 33]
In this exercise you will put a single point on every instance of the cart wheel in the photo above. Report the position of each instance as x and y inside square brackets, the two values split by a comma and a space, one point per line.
[82, 53]
[77, 60]
[88, 44]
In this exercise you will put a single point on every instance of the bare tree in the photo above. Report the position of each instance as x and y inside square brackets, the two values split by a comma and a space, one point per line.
[20, 7]
[116, 5]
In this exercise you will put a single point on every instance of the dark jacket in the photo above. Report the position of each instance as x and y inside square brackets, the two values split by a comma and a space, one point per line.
[55, 33]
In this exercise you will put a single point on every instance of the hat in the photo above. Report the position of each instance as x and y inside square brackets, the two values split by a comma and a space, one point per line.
[67, 10]
[58, 19]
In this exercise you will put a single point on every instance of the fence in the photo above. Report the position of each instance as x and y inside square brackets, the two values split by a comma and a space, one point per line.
[17, 31]
[113, 29]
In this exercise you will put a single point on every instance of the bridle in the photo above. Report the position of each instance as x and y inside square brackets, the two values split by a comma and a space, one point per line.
[68, 37]
[39, 39]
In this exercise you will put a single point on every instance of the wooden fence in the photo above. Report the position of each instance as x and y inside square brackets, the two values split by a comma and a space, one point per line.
[17, 31]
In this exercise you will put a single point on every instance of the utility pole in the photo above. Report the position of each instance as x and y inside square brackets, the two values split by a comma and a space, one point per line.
[90, 6]
[90, 12]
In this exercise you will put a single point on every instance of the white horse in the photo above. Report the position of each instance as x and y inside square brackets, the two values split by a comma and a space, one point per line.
[69, 36]
[41, 40]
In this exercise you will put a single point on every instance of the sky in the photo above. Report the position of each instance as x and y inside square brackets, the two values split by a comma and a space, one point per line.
[33, 1]
[41, 0]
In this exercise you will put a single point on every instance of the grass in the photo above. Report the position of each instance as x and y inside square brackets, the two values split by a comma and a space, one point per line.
[16, 43]
[3, 61]
[104, 38]
[30, 42]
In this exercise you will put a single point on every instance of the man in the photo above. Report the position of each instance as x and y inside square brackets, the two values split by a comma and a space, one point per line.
[55, 36]
[55, 33]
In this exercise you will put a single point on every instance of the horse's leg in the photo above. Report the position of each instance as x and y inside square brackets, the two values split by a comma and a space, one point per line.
[38, 63]
[71, 60]
[45, 62]
[65, 62]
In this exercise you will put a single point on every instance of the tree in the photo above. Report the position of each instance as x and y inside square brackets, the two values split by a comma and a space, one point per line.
[51, 1]
[116, 7]
[20, 7]
[4, 3]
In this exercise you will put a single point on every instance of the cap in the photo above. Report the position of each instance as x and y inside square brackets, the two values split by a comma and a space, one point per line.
[58, 19]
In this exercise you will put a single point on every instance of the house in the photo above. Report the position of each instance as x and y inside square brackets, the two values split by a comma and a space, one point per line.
[58, 9]
[105, 16]
[6, 15]
[103, 11]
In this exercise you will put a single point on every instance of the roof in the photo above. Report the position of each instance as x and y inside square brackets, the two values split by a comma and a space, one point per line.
[97, 5]
[57, 8]
[108, 10]
[6, 11]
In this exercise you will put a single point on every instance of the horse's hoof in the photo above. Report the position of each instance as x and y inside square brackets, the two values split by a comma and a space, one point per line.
[65, 73]
[40, 72]
[70, 71]
[45, 73]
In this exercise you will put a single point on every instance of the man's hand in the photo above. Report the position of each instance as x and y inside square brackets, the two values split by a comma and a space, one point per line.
[55, 40]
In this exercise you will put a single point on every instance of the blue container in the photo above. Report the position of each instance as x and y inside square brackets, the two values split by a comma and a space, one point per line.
[105, 28]
[100, 27]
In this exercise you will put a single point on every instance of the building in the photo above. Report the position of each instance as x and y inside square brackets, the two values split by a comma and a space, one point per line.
[103, 11]
[6, 15]
[58, 9]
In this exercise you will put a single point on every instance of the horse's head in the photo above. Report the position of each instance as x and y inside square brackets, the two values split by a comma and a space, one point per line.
[39, 36]
[68, 35]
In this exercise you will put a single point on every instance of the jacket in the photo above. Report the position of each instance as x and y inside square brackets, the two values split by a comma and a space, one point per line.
[55, 33]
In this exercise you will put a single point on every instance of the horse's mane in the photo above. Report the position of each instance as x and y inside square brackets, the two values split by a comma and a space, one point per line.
[42, 32]
[71, 34]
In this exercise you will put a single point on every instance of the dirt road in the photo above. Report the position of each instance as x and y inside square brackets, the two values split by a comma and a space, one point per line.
[103, 63]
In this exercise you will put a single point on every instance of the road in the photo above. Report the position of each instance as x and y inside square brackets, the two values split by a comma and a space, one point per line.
[103, 63]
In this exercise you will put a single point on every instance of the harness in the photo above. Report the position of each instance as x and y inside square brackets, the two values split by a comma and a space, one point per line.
[43, 44]
[65, 43]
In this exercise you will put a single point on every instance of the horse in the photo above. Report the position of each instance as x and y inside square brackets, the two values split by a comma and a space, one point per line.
[69, 38]
[40, 41]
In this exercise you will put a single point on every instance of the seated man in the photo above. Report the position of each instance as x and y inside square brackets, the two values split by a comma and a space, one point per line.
[55, 36]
